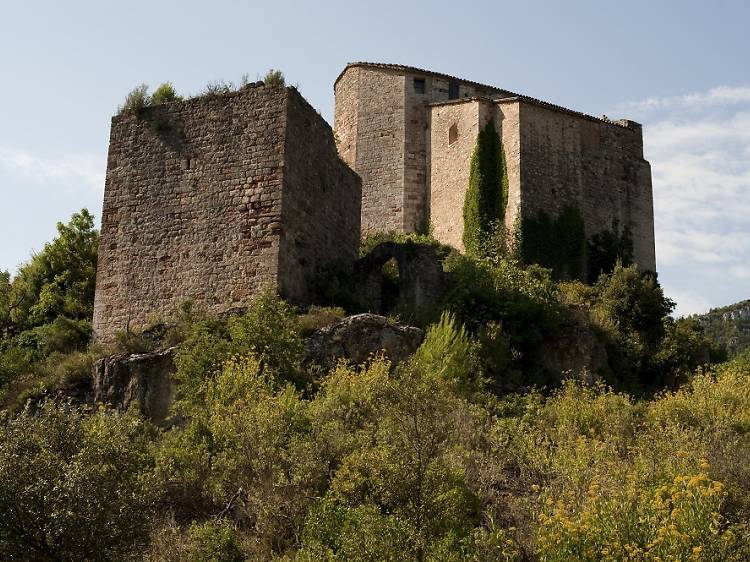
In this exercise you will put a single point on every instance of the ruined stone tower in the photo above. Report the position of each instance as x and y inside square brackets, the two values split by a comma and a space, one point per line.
[214, 198]
[409, 133]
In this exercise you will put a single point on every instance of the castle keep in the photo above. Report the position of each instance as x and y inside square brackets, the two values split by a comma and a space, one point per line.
[409, 133]
[215, 198]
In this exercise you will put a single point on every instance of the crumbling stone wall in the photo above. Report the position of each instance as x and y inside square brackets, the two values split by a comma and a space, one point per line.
[201, 198]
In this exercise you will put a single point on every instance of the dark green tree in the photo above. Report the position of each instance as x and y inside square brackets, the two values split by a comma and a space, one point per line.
[484, 204]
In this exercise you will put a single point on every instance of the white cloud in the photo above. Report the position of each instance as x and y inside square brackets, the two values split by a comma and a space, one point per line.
[69, 170]
[699, 149]
[721, 95]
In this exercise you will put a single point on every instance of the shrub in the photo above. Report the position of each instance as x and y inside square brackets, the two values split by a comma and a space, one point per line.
[73, 487]
[446, 353]
[274, 78]
[679, 520]
[318, 317]
[209, 541]
[164, 93]
[136, 100]
[270, 330]
[217, 88]
[214, 542]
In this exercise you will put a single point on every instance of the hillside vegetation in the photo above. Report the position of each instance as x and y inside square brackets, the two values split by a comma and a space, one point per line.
[474, 449]
[728, 326]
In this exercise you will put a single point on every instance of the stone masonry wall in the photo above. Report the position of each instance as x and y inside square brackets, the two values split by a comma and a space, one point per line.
[377, 132]
[193, 205]
[594, 165]
[320, 205]
[449, 167]
[555, 157]
[382, 126]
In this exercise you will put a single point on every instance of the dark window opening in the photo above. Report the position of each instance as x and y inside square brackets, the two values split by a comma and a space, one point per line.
[187, 163]
[452, 134]
[453, 91]
[419, 85]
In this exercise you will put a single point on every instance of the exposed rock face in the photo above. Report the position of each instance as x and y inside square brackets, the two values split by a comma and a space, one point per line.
[421, 281]
[144, 379]
[358, 337]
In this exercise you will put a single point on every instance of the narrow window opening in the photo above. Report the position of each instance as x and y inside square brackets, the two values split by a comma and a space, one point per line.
[453, 91]
[452, 134]
[419, 86]
[187, 163]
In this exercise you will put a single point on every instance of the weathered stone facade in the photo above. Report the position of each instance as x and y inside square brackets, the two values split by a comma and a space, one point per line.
[410, 134]
[213, 199]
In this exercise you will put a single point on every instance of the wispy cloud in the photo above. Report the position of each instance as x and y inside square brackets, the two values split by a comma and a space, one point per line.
[721, 95]
[68, 170]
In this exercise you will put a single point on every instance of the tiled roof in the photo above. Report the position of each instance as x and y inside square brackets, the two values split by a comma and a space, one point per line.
[501, 92]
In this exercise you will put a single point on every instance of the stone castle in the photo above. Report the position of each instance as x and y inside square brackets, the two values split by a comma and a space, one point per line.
[214, 198]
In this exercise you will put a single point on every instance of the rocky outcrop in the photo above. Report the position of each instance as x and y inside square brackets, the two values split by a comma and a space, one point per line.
[142, 379]
[359, 337]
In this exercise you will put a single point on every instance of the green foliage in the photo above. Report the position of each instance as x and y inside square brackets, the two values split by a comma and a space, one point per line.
[446, 352]
[46, 309]
[269, 330]
[57, 281]
[217, 88]
[318, 317]
[214, 542]
[372, 240]
[487, 194]
[606, 249]
[274, 78]
[137, 99]
[165, 93]
[729, 327]
[73, 487]
[556, 243]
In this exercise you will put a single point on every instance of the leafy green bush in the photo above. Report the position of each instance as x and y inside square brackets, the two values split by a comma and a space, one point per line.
[274, 78]
[137, 99]
[73, 487]
[164, 93]
[214, 542]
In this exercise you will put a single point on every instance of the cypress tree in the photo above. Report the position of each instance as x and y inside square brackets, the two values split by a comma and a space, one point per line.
[484, 204]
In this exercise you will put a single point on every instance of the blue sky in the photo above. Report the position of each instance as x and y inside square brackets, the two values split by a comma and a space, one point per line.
[680, 68]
